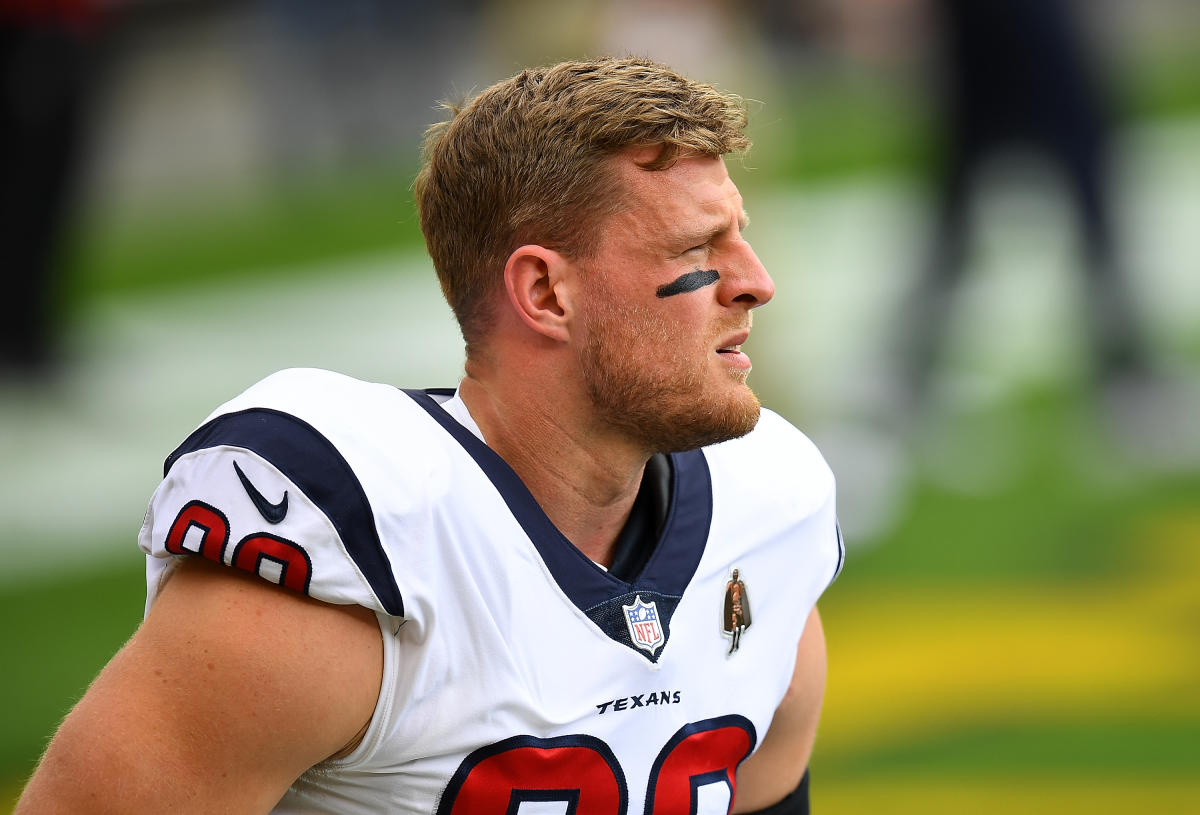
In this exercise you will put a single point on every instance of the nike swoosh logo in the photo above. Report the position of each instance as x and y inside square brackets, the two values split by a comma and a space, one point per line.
[274, 513]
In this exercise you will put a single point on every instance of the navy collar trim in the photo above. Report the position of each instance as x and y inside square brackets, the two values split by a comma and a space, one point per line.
[669, 568]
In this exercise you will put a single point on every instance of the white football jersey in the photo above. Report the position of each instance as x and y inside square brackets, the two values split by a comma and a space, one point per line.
[519, 676]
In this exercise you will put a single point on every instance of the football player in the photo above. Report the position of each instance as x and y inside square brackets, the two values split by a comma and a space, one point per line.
[510, 597]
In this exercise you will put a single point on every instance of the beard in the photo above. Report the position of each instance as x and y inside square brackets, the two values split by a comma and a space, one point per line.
[643, 382]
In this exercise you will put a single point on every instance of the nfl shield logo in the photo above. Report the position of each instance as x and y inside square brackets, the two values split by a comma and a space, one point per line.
[644, 628]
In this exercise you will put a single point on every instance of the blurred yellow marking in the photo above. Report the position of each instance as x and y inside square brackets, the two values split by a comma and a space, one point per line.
[8, 795]
[912, 659]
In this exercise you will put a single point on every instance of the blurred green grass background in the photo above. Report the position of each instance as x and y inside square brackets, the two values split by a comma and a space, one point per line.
[1025, 649]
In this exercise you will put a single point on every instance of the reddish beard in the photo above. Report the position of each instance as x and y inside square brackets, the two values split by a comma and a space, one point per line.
[645, 383]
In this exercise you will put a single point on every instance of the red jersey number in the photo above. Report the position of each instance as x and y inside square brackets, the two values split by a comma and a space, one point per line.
[584, 775]
[206, 530]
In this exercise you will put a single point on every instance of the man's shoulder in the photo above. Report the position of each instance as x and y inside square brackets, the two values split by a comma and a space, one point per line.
[296, 479]
[348, 412]
[774, 438]
[304, 387]
[775, 457]
[774, 484]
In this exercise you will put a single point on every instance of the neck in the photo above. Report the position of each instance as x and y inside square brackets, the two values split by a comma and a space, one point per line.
[585, 482]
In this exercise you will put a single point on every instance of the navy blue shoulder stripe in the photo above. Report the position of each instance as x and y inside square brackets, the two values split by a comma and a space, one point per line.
[318, 469]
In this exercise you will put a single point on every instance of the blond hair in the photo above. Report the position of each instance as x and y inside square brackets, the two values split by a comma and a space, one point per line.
[525, 161]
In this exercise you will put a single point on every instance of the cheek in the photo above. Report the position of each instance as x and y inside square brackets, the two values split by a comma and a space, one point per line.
[689, 327]
[664, 329]
[669, 331]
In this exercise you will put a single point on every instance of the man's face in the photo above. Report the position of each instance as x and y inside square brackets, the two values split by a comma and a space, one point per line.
[668, 298]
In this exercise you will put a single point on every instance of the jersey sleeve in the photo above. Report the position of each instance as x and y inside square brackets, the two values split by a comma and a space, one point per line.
[261, 490]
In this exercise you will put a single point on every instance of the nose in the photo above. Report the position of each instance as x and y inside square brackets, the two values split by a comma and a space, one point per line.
[750, 285]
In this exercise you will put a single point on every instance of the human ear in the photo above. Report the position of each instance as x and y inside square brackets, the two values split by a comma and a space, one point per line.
[536, 281]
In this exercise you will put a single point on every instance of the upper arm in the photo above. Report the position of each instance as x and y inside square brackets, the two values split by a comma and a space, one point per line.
[776, 767]
[230, 689]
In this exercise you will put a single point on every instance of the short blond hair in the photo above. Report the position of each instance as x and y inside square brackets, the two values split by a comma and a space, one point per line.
[525, 161]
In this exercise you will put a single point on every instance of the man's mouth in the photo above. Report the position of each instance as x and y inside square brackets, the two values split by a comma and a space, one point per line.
[731, 351]
[733, 344]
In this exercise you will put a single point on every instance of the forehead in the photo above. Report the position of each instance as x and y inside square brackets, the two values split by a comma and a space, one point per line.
[694, 190]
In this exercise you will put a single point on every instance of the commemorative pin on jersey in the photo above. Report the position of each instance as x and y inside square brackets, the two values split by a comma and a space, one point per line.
[517, 673]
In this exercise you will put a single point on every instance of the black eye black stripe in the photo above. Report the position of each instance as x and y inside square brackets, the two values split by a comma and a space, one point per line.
[689, 281]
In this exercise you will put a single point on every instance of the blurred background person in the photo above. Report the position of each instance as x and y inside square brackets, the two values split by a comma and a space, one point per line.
[1017, 77]
[345, 83]
[47, 51]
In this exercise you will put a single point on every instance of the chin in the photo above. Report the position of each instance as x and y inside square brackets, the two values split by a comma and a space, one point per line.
[705, 422]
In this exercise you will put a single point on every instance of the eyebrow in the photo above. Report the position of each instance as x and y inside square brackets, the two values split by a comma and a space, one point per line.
[689, 281]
